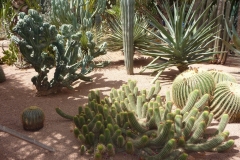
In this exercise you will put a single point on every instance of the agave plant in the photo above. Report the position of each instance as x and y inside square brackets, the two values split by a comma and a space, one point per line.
[184, 38]
[140, 37]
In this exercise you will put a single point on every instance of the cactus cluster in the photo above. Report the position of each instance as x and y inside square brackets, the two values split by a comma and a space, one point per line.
[220, 85]
[142, 122]
[44, 47]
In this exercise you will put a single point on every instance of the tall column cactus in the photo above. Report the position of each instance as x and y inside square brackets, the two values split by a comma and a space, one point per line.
[127, 11]
[2, 75]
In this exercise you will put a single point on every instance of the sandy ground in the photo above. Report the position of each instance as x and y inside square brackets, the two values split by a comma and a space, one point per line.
[18, 93]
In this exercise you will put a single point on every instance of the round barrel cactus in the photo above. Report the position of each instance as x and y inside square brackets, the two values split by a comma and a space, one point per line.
[33, 118]
[220, 76]
[226, 99]
[190, 80]
[2, 75]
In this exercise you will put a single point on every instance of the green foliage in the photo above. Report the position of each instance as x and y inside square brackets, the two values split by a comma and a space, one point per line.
[32, 118]
[10, 56]
[44, 48]
[158, 133]
[182, 41]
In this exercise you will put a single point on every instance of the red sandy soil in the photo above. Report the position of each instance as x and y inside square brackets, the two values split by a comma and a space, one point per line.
[17, 93]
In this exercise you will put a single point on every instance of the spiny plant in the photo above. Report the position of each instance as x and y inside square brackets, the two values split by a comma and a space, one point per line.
[2, 75]
[45, 48]
[190, 80]
[226, 99]
[220, 76]
[142, 122]
[32, 118]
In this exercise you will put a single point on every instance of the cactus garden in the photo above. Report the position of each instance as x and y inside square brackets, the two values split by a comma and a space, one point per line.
[124, 79]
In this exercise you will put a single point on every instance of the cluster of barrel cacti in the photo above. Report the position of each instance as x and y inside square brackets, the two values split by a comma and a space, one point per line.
[220, 85]
[144, 123]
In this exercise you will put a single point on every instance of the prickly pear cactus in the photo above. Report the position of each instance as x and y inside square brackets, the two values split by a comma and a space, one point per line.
[226, 99]
[141, 122]
[33, 118]
[2, 75]
[220, 76]
[190, 80]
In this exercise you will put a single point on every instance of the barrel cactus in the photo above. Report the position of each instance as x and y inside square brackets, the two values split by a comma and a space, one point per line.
[226, 99]
[33, 118]
[220, 76]
[141, 122]
[190, 80]
[2, 75]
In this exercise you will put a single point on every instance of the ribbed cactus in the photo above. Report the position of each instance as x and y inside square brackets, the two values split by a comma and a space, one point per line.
[127, 15]
[141, 122]
[2, 75]
[43, 46]
[32, 118]
[190, 80]
[220, 76]
[226, 99]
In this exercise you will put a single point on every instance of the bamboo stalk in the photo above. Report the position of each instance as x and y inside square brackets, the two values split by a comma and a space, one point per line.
[26, 138]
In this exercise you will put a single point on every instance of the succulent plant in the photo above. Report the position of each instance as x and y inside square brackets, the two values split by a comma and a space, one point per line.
[190, 80]
[2, 75]
[226, 99]
[32, 118]
[220, 76]
[141, 122]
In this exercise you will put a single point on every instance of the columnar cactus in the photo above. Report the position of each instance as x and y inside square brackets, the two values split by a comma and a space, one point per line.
[44, 47]
[127, 15]
[189, 80]
[141, 122]
[226, 99]
[2, 75]
[33, 118]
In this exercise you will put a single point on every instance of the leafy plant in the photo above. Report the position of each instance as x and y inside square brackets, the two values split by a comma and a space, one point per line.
[182, 41]
[42, 46]
[141, 122]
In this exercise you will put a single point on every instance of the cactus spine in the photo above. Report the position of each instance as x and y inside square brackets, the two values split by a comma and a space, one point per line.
[127, 11]
[159, 133]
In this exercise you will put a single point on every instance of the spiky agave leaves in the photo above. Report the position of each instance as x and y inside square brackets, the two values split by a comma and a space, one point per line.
[188, 81]
[220, 76]
[226, 99]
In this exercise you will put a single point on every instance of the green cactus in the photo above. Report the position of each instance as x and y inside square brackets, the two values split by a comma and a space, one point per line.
[226, 99]
[220, 76]
[2, 75]
[161, 132]
[127, 16]
[32, 118]
[43, 47]
[188, 81]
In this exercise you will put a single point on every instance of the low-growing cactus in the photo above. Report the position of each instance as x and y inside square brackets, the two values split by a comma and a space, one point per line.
[32, 118]
[226, 99]
[2, 75]
[188, 81]
[141, 122]
[220, 76]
